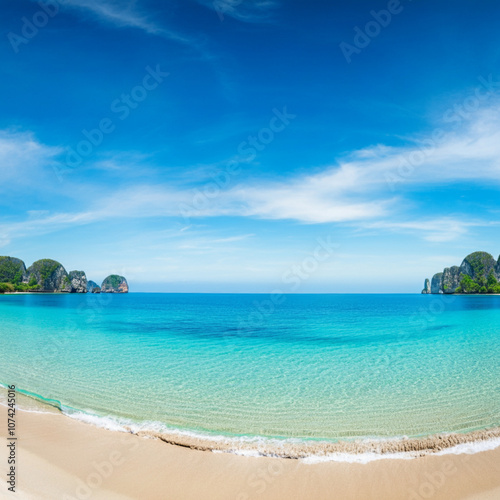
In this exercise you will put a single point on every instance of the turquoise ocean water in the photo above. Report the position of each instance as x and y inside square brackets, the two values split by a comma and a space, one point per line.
[314, 367]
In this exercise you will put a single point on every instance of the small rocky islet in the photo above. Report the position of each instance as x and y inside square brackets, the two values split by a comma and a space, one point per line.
[479, 273]
[48, 275]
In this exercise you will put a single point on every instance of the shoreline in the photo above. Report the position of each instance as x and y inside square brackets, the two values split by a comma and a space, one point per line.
[60, 457]
[360, 450]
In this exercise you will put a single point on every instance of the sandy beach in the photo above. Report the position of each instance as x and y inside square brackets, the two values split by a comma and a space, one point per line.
[62, 458]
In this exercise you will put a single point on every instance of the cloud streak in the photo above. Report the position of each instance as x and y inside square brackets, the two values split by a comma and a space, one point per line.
[437, 230]
[356, 191]
[24, 160]
[247, 11]
[127, 16]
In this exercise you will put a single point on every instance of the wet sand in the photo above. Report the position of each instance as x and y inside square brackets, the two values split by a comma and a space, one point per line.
[62, 458]
[415, 447]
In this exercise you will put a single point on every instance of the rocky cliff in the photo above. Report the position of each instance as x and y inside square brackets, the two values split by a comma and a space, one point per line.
[427, 287]
[478, 273]
[437, 283]
[48, 275]
[78, 282]
[451, 279]
[114, 284]
[93, 287]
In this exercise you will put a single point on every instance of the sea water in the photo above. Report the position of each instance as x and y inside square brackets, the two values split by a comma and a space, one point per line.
[255, 368]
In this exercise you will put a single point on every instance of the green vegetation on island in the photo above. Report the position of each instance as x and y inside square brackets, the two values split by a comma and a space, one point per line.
[12, 272]
[479, 273]
[47, 275]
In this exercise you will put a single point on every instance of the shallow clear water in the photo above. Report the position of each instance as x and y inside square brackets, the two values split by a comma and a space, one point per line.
[313, 367]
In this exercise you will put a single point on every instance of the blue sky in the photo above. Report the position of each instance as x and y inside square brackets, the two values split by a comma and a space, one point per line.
[215, 146]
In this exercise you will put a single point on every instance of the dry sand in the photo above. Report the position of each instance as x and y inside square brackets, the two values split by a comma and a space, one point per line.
[60, 458]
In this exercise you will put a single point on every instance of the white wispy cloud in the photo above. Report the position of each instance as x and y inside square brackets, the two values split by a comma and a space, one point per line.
[121, 14]
[125, 14]
[367, 189]
[372, 183]
[438, 230]
[248, 11]
[147, 202]
[23, 159]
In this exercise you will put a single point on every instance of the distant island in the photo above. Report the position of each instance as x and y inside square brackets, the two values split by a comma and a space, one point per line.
[48, 275]
[478, 273]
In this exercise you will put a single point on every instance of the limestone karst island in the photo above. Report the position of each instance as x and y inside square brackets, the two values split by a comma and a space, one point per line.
[478, 273]
[49, 276]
